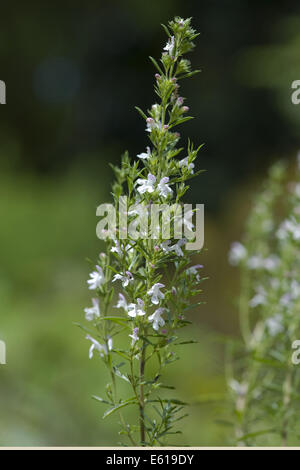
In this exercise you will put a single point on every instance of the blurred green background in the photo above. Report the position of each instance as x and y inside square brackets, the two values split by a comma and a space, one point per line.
[74, 73]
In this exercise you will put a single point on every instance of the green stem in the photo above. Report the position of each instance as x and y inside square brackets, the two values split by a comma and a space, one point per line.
[287, 390]
[142, 397]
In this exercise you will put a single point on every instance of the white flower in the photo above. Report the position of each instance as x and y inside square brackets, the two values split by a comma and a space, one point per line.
[122, 302]
[178, 247]
[193, 271]
[163, 187]
[145, 156]
[297, 190]
[289, 227]
[110, 343]
[134, 336]
[255, 262]
[295, 289]
[165, 246]
[93, 312]
[185, 162]
[181, 21]
[296, 232]
[170, 46]
[156, 318]
[156, 294]
[124, 279]
[240, 389]
[294, 293]
[274, 325]
[271, 262]
[260, 297]
[146, 185]
[97, 279]
[116, 248]
[151, 125]
[136, 310]
[237, 253]
[119, 247]
[101, 348]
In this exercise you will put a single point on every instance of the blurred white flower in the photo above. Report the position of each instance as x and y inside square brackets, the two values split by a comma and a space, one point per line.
[156, 294]
[178, 247]
[101, 348]
[116, 248]
[193, 271]
[97, 279]
[271, 263]
[287, 228]
[156, 319]
[122, 303]
[260, 297]
[110, 343]
[185, 162]
[240, 389]
[237, 253]
[274, 325]
[93, 312]
[136, 310]
[151, 125]
[165, 246]
[145, 156]
[134, 336]
[163, 187]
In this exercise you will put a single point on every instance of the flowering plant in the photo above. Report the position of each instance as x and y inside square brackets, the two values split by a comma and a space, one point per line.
[263, 381]
[157, 282]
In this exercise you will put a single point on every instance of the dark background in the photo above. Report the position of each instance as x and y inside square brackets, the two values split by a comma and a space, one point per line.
[74, 72]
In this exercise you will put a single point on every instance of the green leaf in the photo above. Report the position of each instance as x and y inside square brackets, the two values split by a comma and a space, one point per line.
[118, 407]
[166, 30]
[119, 374]
[141, 112]
[156, 65]
[255, 434]
[190, 74]
[186, 342]
[210, 398]
[122, 354]
[118, 320]
[94, 397]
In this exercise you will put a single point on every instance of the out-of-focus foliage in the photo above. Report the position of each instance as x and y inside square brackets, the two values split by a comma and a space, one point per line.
[264, 380]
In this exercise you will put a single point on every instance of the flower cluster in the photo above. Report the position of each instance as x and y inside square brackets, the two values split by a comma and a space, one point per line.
[155, 282]
[264, 383]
